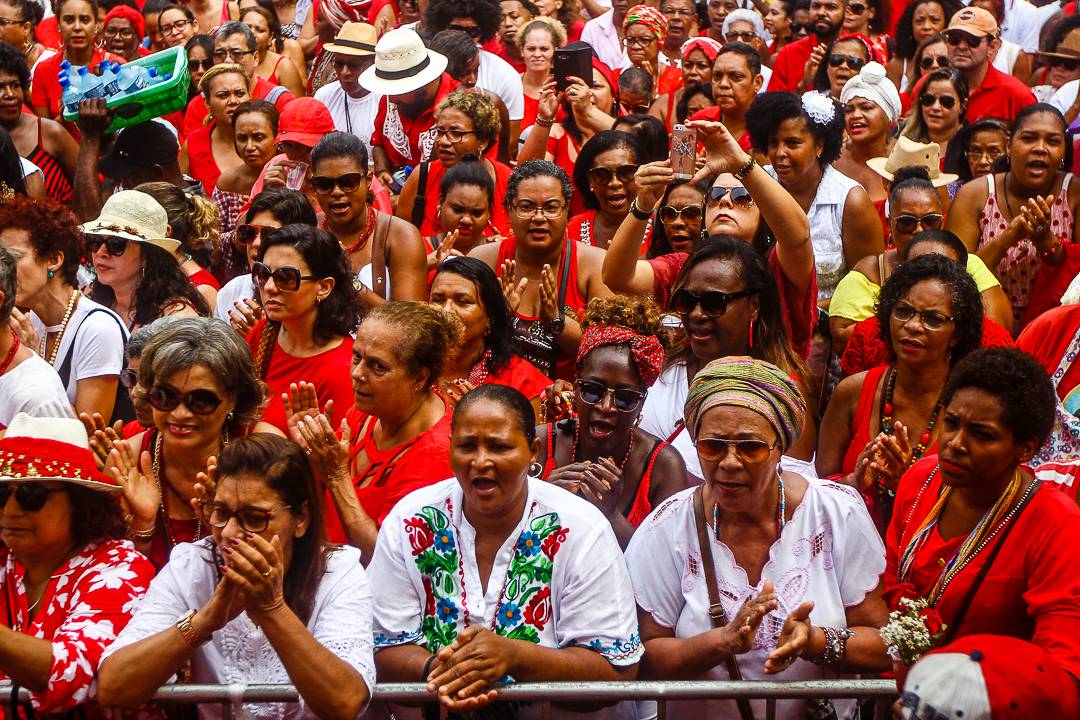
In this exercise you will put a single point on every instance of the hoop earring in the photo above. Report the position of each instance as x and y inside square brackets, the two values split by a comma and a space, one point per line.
[534, 470]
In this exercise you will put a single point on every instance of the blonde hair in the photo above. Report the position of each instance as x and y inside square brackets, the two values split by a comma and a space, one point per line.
[428, 334]
[541, 22]
[217, 71]
[638, 313]
[479, 109]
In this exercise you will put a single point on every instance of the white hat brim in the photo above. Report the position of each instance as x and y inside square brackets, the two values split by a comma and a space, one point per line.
[399, 86]
[91, 484]
[95, 228]
[878, 165]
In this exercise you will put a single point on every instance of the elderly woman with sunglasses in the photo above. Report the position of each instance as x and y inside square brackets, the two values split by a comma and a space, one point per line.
[70, 581]
[82, 339]
[768, 592]
[263, 599]
[201, 384]
[600, 454]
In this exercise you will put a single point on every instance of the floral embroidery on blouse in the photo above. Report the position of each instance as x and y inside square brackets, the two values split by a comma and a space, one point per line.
[525, 604]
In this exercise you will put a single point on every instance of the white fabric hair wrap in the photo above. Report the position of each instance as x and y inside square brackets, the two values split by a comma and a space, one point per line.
[872, 84]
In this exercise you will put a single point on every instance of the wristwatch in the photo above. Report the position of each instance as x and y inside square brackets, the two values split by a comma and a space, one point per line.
[556, 326]
[191, 637]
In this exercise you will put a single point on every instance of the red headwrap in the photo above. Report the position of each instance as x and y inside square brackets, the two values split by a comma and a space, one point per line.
[648, 16]
[646, 350]
[707, 45]
[872, 50]
[612, 81]
[130, 14]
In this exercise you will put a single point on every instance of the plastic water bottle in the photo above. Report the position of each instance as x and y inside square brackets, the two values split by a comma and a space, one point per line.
[133, 78]
[90, 85]
[69, 94]
[110, 78]
[399, 179]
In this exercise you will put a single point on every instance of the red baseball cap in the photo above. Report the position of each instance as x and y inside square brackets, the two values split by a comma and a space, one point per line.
[304, 120]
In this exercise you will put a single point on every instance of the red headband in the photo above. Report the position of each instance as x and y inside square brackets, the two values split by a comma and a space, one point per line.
[646, 350]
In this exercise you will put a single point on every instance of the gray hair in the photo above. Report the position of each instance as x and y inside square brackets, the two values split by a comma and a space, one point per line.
[750, 16]
[187, 342]
[227, 30]
[8, 277]
[139, 339]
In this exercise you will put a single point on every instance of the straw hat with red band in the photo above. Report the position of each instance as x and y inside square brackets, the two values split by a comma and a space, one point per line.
[50, 450]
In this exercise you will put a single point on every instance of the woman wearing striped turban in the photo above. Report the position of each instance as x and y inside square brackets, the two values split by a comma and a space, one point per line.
[601, 454]
[798, 560]
[644, 32]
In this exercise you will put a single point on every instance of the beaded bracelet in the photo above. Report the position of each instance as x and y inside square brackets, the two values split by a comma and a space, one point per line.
[835, 650]
[544, 123]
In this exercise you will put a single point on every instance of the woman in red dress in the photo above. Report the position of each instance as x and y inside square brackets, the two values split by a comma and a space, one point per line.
[396, 437]
[466, 203]
[991, 549]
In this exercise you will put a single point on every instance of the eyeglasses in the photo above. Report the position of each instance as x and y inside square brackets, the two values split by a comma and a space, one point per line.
[174, 28]
[349, 182]
[955, 37]
[252, 519]
[123, 33]
[855, 63]
[551, 211]
[856, 8]
[713, 302]
[929, 319]
[472, 31]
[739, 196]
[1067, 64]
[631, 109]
[30, 497]
[690, 213]
[164, 399]
[715, 449]
[236, 54]
[129, 378]
[454, 136]
[603, 175]
[286, 278]
[203, 65]
[928, 99]
[908, 224]
[639, 41]
[624, 400]
[747, 37]
[116, 246]
[4, 22]
[928, 61]
[247, 233]
[976, 154]
[677, 12]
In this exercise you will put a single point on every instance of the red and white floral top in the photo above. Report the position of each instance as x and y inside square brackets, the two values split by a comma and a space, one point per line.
[87, 602]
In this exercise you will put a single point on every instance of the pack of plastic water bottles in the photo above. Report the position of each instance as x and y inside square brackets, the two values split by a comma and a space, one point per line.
[113, 81]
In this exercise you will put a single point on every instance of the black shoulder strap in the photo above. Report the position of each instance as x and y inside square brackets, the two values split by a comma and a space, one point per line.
[420, 202]
[65, 367]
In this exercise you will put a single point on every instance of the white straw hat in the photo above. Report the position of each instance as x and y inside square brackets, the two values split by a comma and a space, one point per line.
[134, 216]
[402, 64]
[908, 152]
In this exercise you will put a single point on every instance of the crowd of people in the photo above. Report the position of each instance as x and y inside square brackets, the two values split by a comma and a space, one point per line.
[402, 353]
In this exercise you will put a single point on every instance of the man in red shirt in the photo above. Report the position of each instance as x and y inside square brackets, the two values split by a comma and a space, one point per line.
[235, 43]
[793, 62]
[413, 81]
[972, 40]
[736, 81]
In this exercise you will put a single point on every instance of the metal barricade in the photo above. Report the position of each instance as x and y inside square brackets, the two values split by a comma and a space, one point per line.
[230, 697]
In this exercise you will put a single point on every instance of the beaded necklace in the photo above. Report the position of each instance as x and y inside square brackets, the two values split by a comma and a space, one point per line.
[997, 517]
[885, 493]
[369, 229]
[11, 354]
[577, 445]
[159, 442]
[60, 332]
[781, 509]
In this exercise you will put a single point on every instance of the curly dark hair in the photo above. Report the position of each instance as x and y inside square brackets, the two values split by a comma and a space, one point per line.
[163, 283]
[504, 395]
[770, 109]
[51, 227]
[905, 32]
[533, 169]
[95, 515]
[966, 305]
[640, 314]
[1020, 384]
[500, 338]
[486, 13]
[13, 62]
[598, 144]
[691, 91]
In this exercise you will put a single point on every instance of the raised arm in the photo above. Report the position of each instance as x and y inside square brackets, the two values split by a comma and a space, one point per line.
[623, 270]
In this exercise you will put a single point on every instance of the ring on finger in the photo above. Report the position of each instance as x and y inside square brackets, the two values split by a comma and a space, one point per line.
[269, 572]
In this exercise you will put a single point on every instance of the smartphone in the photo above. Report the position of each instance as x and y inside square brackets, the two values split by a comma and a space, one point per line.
[572, 62]
[683, 152]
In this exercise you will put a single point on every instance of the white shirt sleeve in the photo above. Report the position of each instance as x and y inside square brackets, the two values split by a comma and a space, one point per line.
[499, 77]
[344, 613]
[33, 387]
[858, 553]
[653, 567]
[98, 348]
[398, 608]
[1065, 96]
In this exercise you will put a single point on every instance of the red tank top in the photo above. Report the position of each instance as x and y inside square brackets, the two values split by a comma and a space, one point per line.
[201, 163]
[169, 530]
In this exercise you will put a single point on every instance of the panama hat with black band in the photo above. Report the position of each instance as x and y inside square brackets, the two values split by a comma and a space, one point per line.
[402, 64]
[354, 38]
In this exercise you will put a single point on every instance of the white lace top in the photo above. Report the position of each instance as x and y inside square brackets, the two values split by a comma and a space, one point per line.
[240, 653]
[829, 552]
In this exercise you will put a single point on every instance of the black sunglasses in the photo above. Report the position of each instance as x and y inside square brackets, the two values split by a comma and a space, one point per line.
[908, 224]
[624, 400]
[603, 175]
[129, 378]
[164, 399]
[204, 65]
[286, 278]
[739, 196]
[30, 497]
[349, 182]
[690, 213]
[928, 99]
[713, 302]
[955, 37]
[855, 63]
[247, 233]
[116, 246]
[928, 62]
[856, 8]
[1067, 64]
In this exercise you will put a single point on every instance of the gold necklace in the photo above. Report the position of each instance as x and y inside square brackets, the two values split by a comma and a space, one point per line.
[59, 333]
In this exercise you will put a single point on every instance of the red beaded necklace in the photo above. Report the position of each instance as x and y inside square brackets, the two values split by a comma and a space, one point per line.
[887, 417]
[11, 354]
[369, 230]
[577, 444]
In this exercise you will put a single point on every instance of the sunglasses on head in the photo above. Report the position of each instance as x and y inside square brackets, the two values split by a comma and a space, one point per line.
[715, 449]
[624, 400]
[855, 63]
[30, 497]
[349, 182]
[1067, 64]
[115, 246]
[286, 278]
[164, 399]
[246, 233]
[928, 99]
[690, 213]
[908, 224]
[942, 61]
[955, 37]
[713, 302]
[739, 196]
[603, 175]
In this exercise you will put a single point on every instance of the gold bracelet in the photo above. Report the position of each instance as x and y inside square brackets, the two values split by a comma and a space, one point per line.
[141, 535]
[745, 170]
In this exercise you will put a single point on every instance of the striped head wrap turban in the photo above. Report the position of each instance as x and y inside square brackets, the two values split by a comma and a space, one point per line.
[752, 384]
[648, 16]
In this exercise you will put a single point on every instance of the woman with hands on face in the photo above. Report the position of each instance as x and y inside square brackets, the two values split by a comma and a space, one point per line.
[601, 455]
[565, 611]
[757, 523]
[263, 599]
